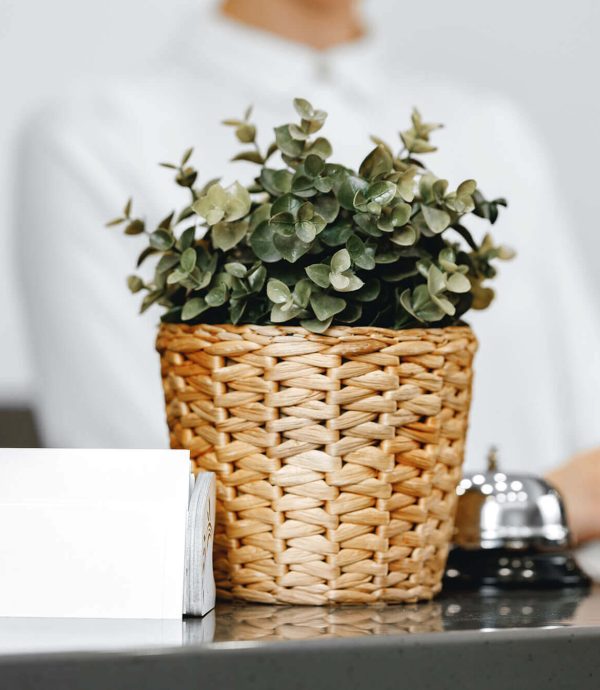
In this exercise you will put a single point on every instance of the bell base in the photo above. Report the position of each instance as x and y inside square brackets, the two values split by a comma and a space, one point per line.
[506, 568]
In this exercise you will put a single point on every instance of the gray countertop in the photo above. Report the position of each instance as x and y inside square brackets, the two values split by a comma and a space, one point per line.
[547, 639]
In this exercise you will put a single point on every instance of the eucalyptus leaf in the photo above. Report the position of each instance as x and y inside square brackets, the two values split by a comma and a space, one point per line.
[278, 292]
[188, 260]
[315, 325]
[167, 262]
[217, 296]
[262, 244]
[290, 248]
[225, 236]
[136, 227]
[286, 143]
[161, 240]
[459, 283]
[236, 269]
[340, 261]
[319, 274]
[187, 238]
[437, 219]
[326, 306]
[405, 237]
[135, 283]
[193, 308]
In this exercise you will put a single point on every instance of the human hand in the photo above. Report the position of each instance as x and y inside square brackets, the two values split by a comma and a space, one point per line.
[578, 482]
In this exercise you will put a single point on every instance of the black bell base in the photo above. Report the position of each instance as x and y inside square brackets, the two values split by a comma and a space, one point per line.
[507, 568]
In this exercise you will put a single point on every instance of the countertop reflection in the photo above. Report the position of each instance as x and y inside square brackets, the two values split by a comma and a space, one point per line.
[451, 611]
[258, 623]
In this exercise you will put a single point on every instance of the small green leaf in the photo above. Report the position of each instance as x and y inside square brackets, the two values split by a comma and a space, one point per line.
[280, 314]
[217, 296]
[340, 261]
[316, 326]
[256, 278]
[278, 292]
[459, 283]
[250, 157]
[262, 244]
[236, 269]
[406, 185]
[176, 276]
[352, 283]
[298, 133]
[303, 108]
[193, 308]
[135, 283]
[405, 237]
[336, 235]
[186, 156]
[161, 240]
[348, 190]
[302, 293]
[286, 143]
[369, 291]
[351, 313]
[246, 133]
[187, 238]
[327, 207]
[378, 162]
[291, 248]
[436, 219]
[466, 188]
[114, 222]
[401, 214]
[321, 147]
[381, 192]
[188, 260]
[149, 251]
[306, 230]
[276, 182]
[355, 246]
[236, 310]
[225, 236]
[436, 282]
[339, 281]
[326, 306]
[287, 203]
[150, 299]
[313, 165]
[136, 227]
[167, 262]
[319, 274]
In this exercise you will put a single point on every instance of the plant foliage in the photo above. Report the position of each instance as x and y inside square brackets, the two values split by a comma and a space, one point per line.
[315, 243]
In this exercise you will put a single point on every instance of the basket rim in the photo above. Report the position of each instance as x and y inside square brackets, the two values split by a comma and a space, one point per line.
[331, 332]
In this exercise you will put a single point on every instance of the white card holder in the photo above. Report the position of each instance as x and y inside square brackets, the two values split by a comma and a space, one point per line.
[199, 590]
[110, 534]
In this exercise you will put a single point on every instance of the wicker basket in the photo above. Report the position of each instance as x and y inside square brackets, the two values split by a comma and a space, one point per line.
[337, 455]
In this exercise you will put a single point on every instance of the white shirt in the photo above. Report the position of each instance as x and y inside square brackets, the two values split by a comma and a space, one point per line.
[97, 374]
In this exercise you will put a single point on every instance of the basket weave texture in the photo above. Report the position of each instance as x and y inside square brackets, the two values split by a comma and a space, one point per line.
[337, 456]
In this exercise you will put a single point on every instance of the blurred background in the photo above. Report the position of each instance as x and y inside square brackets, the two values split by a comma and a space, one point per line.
[541, 54]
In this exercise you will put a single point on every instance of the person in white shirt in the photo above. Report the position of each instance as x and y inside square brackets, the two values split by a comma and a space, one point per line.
[97, 375]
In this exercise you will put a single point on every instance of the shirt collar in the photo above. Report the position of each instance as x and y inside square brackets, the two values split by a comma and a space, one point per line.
[274, 64]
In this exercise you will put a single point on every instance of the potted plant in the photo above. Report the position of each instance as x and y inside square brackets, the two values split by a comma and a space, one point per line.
[314, 357]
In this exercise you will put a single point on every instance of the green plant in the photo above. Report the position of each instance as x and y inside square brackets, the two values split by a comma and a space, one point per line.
[315, 243]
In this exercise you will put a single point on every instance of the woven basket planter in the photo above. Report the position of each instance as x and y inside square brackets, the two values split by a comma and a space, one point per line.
[337, 456]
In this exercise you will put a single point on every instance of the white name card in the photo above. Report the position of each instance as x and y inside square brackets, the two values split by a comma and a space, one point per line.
[93, 533]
